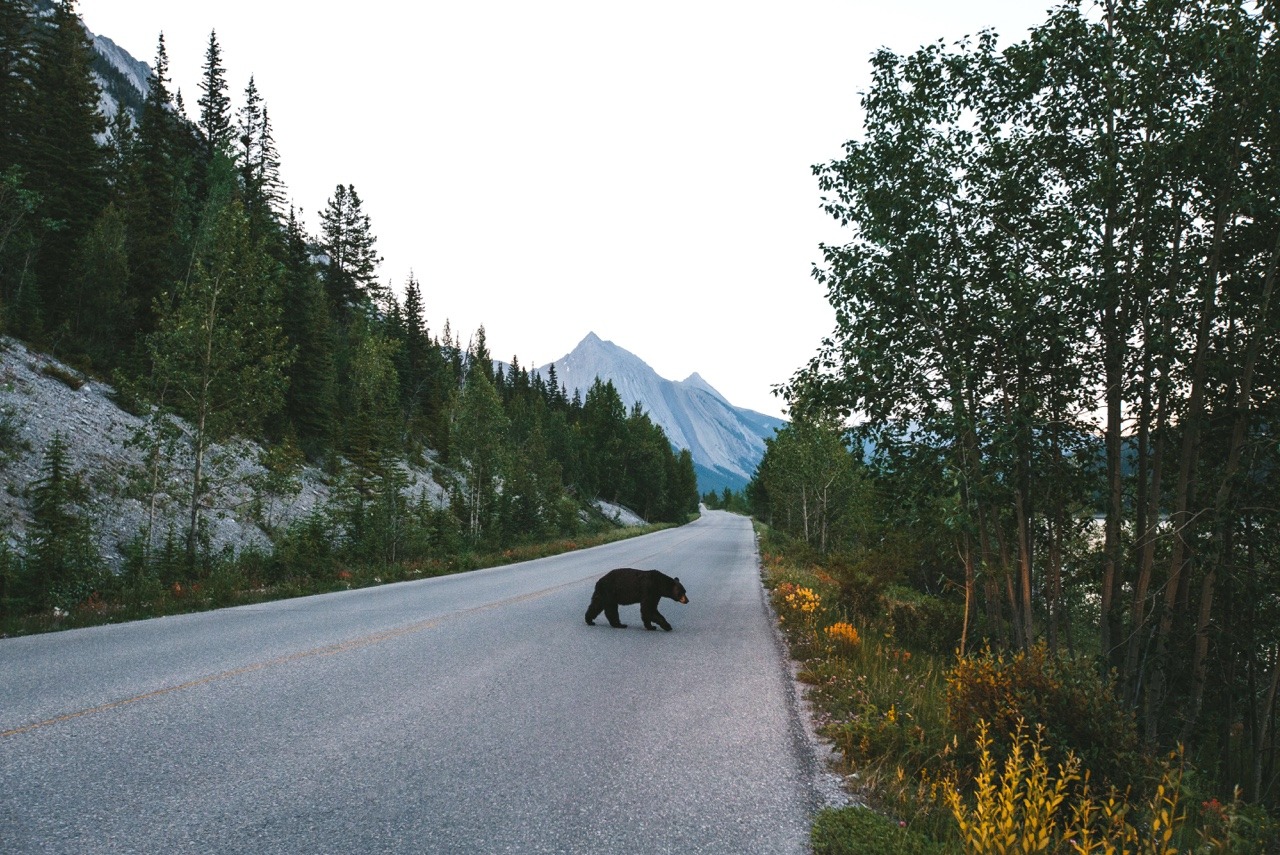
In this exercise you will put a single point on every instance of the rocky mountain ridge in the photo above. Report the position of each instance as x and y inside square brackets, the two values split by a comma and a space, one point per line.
[726, 442]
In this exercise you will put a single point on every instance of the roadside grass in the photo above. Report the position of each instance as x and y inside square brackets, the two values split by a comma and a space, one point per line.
[255, 577]
[981, 754]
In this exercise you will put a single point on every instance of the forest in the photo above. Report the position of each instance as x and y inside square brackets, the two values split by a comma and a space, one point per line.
[1049, 405]
[159, 253]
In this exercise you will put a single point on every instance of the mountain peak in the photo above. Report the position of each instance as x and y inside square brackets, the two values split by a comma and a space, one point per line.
[697, 381]
[726, 442]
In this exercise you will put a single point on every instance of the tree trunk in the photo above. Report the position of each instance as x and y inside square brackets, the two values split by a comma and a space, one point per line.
[1113, 347]
[1182, 518]
[1220, 545]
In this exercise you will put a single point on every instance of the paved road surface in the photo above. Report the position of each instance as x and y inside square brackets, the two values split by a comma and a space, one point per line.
[471, 713]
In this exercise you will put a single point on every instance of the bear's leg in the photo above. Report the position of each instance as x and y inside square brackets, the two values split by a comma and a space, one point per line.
[611, 612]
[594, 609]
[650, 616]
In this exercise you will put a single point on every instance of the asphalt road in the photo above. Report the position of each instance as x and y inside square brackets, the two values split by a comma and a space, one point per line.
[470, 713]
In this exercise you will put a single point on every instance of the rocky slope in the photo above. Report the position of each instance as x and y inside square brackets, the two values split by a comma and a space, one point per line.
[40, 398]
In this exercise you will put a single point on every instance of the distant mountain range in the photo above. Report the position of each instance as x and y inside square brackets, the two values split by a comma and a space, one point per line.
[726, 442]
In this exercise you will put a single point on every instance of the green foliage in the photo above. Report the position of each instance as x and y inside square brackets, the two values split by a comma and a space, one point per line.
[1055, 302]
[101, 317]
[1046, 692]
[62, 566]
[861, 831]
[11, 441]
[478, 444]
[13, 599]
[348, 240]
[921, 621]
[809, 484]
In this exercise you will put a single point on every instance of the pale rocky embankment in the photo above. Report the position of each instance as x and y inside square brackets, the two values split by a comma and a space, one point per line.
[41, 397]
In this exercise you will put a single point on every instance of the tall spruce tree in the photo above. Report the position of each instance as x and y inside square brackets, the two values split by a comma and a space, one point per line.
[17, 24]
[62, 563]
[214, 104]
[311, 403]
[346, 236]
[153, 196]
[259, 163]
[63, 155]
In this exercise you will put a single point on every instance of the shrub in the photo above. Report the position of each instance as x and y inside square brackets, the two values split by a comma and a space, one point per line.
[1027, 808]
[861, 831]
[922, 621]
[1046, 692]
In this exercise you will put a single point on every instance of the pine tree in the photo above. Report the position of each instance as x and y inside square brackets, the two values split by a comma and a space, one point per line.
[604, 439]
[347, 238]
[64, 158]
[311, 402]
[17, 23]
[478, 357]
[249, 118]
[259, 163]
[153, 196]
[215, 106]
[62, 563]
[269, 187]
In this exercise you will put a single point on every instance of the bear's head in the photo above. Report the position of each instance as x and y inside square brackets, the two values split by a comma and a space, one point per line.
[677, 592]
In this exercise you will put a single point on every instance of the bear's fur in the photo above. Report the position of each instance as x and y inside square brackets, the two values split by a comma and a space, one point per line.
[625, 586]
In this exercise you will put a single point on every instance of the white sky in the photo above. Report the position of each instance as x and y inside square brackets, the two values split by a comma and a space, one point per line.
[549, 169]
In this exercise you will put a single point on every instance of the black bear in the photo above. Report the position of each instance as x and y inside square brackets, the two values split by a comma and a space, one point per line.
[625, 586]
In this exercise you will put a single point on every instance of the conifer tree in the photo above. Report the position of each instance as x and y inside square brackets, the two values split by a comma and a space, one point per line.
[215, 106]
[429, 387]
[61, 561]
[311, 402]
[249, 129]
[153, 196]
[63, 156]
[478, 357]
[17, 22]
[604, 440]
[346, 236]
[372, 506]
[269, 187]
[259, 162]
[19, 241]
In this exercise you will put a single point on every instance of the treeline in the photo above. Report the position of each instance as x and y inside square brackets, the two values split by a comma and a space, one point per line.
[1057, 332]
[161, 253]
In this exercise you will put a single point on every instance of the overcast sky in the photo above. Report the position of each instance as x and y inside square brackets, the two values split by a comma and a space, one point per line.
[549, 169]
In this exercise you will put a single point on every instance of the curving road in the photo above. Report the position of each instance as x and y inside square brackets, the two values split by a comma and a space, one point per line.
[470, 713]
